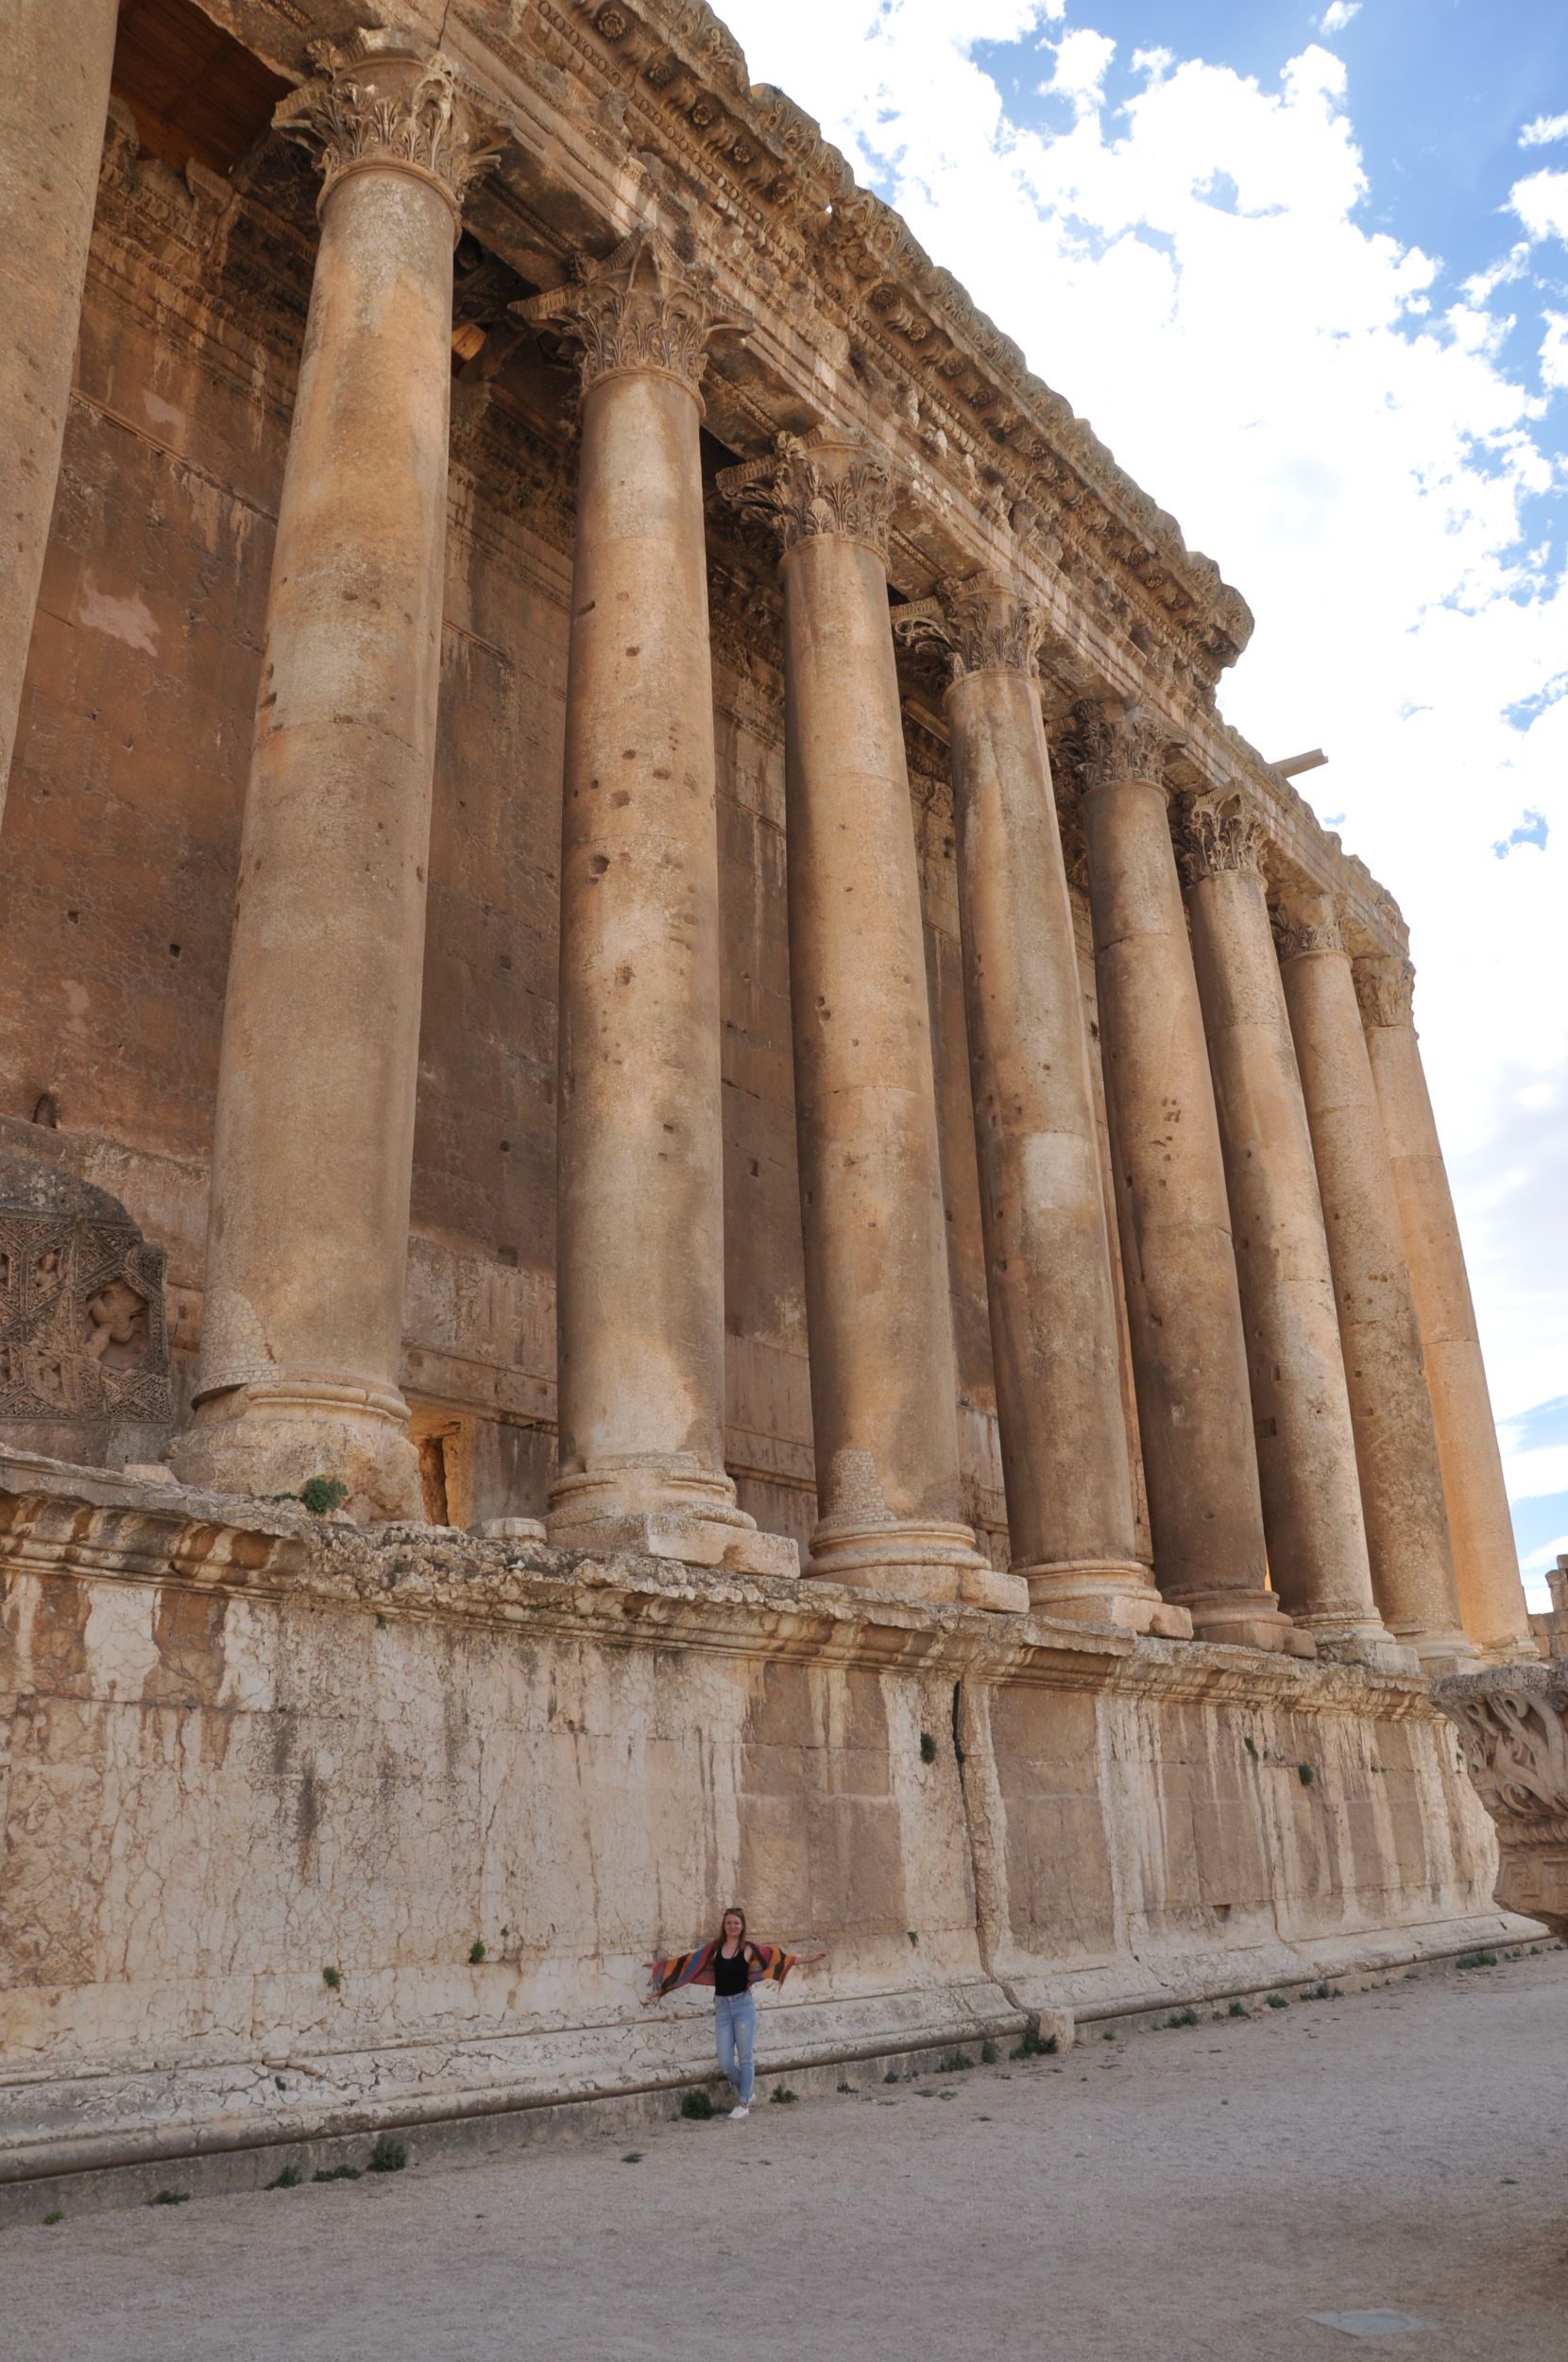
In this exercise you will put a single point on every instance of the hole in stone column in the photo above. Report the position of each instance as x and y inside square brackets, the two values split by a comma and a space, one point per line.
[46, 1110]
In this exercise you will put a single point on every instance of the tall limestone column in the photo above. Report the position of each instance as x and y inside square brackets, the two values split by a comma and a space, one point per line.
[54, 104]
[1396, 1451]
[1053, 1321]
[1486, 1561]
[311, 1156]
[641, 1264]
[1312, 1515]
[884, 1388]
[1189, 1349]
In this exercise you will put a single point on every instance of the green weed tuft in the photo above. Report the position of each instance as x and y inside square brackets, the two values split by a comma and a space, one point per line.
[782, 2097]
[989, 2053]
[171, 2197]
[633, 2157]
[1030, 2046]
[332, 1979]
[1182, 2017]
[289, 2179]
[696, 2107]
[322, 1494]
[1239, 2009]
[927, 1748]
[389, 2156]
[476, 1952]
[337, 2173]
[1476, 1960]
[1277, 2001]
[1305, 1774]
[56, 2213]
[956, 2063]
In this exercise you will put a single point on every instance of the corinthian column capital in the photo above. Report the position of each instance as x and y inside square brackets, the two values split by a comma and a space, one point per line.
[978, 623]
[1112, 744]
[1385, 986]
[640, 308]
[1306, 922]
[1222, 832]
[383, 101]
[829, 482]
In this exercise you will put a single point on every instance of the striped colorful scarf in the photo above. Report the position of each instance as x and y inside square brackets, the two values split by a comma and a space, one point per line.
[768, 1964]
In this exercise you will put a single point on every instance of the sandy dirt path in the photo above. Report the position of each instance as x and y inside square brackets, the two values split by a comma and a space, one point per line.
[1193, 2195]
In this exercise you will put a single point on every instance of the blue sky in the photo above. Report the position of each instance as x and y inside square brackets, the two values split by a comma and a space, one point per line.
[1306, 268]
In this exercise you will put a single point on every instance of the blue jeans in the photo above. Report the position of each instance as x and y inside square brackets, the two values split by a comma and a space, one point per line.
[735, 2026]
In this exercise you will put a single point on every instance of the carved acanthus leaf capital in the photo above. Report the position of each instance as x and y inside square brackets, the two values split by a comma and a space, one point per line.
[1306, 922]
[824, 481]
[1113, 744]
[1222, 832]
[1385, 986]
[640, 308]
[978, 623]
[383, 100]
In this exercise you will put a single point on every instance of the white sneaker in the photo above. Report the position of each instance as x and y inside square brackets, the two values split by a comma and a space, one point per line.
[738, 2112]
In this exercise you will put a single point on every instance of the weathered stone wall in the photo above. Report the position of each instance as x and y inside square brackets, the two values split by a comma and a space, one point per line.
[239, 1756]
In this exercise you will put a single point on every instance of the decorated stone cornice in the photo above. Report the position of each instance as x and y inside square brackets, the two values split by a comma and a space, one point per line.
[975, 624]
[383, 101]
[640, 308]
[1224, 832]
[1305, 923]
[1110, 744]
[1385, 986]
[828, 482]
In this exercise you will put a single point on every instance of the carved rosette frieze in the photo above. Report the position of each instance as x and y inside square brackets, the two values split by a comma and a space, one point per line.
[1385, 986]
[640, 308]
[1222, 832]
[828, 482]
[1305, 923]
[977, 623]
[1111, 745]
[384, 102]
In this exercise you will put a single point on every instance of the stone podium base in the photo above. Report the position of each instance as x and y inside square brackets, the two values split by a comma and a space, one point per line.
[311, 1830]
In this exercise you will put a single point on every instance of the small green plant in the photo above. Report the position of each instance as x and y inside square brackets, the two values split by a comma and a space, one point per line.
[893, 2076]
[1030, 2044]
[476, 1952]
[989, 2053]
[956, 2063]
[289, 2179]
[1305, 1774]
[1476, 1960]
[381, 1621]
[1109, 2035]
[389, 2156]
[171, 2197]
[782, 2097]
[332, 1979]
[1247, 1742]
[56, 2213]
[337, 2173]
[927, 1748]
[846, 2087]
[633, 2157]
[1239, 2009]
[913, 1937]
[1277, 2001]
[322, 1494]
[696, 2107]
[1182, 2017]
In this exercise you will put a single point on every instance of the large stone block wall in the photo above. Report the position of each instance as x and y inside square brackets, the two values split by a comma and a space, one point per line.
[241, 1753]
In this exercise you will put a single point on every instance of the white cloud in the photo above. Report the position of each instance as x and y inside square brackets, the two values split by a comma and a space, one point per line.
[1082, 60]
[1193, 271]
[1543, 132]
[1338, 15]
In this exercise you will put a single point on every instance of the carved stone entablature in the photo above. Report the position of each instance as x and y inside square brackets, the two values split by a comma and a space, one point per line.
[1306, 922]
[1110, 743]
[1223, 831]
[1513, 1720]
[84, 1355]
[1385, 987]
[640, 308]
[383, 100]
[979, 624]
[824, 481]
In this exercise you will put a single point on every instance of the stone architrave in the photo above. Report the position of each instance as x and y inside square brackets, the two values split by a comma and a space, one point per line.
[54, 105]
[1485, 1558]
[84, 1353]
[1396, 1450]
[313, 1149]
[1306, 1440]
[884, 1388]
[1053, 1324]
[640, 1303]
[1189, 1348]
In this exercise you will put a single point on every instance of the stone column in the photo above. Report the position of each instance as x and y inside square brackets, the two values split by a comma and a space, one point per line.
[1306, 1442]
[884, 1389]
[1396, 1451]
[54, 103]
[640, 1264]
[1189, 1351]
[1486, 1561]
[1053, 1322]
[312, 1156]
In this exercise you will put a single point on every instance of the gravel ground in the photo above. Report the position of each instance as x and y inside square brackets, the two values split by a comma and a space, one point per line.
[1192, 2195]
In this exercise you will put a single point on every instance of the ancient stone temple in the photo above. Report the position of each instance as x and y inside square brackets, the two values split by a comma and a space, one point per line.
[703, 1192]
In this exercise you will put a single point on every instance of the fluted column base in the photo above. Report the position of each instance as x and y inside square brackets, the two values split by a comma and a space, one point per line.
[665, 1505]
[1117, 1592]
[913, 1558]
[275, 1434]
[1353, 1639]
[1246, 1619]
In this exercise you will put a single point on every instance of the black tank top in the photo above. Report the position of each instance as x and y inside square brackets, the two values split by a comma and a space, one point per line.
[730, 1977]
